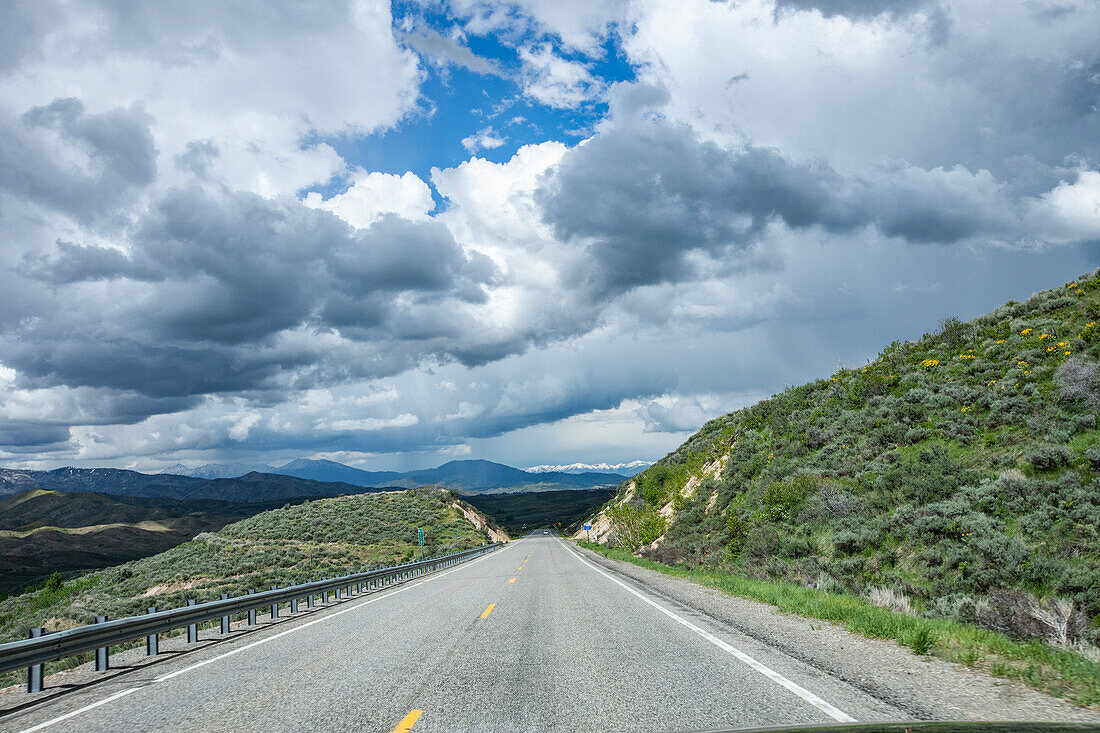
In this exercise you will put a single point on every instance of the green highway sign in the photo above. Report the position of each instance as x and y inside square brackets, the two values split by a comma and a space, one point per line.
[420, 536]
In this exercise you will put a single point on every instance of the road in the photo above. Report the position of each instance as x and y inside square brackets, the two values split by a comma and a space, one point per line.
[531, 637]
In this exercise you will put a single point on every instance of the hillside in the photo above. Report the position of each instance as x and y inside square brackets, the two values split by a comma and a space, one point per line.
[42, 531]
[281, 546]
[954, 476]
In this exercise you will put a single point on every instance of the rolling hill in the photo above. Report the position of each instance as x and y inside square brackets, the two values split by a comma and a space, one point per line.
[44, 531]
[955, 476]
[281, 546]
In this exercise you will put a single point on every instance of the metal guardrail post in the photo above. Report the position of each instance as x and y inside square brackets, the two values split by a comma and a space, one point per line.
[152, 639]
[294, 605]
[102, 663]
[34, 672]
[274, 606]
[309, 598]
[225, 619]
[251, 611]
[192, 629]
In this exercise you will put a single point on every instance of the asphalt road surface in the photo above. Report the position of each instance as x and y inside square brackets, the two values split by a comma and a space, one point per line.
[531, 637]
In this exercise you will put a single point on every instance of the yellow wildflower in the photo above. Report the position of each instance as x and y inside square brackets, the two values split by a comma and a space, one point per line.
[1025, 332]
[1044, 336]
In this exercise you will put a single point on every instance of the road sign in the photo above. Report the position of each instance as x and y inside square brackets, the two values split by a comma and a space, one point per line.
[587, 537]
[420, 536]
[588, 526]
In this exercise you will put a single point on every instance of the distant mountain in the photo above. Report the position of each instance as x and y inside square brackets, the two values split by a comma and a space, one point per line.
[463, 476]
[100, 480]
[487, 477]
[252, 487]
[221, 470]
[332, 471]
[268, 487]
[624, 469]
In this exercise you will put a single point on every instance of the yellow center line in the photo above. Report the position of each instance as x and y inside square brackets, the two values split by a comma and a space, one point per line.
[489, 610]
[408, 722]
[513, 580]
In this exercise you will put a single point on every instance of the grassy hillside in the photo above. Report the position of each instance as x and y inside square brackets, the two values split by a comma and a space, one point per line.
[519, 512]
[955, 476]
[282, 546]
[43, 532]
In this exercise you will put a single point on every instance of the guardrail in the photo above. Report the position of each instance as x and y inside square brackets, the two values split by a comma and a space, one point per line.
[34, 652]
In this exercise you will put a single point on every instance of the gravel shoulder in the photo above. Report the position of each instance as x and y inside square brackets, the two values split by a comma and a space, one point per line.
[926, 688]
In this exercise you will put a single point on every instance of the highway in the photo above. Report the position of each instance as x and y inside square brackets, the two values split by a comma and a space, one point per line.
[531, 637]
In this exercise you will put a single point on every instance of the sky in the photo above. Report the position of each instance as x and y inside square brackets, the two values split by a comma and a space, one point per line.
[539, 232]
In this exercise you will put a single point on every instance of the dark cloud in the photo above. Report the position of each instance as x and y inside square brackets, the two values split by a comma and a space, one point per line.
[197, 157]
[30, 437]
[118, 147]
[647, 195]
[23, 23]
[210, 282]
[856, 9]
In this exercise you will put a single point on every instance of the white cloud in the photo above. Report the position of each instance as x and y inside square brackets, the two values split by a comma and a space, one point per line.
[369, 424]
[484, 139]
[1074, 208]
[556, 81]
[371, 195]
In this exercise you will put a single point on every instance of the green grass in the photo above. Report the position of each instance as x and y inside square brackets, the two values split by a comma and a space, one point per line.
[1055, 671]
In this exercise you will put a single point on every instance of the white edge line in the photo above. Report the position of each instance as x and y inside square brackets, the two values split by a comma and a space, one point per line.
[170, 675]
[84, 709]
[833, 712]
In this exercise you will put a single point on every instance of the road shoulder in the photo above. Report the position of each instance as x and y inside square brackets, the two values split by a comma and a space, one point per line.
[926, 688]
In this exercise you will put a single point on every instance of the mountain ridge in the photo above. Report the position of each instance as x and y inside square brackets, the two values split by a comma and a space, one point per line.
[303, 477]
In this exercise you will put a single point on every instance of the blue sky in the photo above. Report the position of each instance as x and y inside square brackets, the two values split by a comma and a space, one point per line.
[457, 103]
[531, 231]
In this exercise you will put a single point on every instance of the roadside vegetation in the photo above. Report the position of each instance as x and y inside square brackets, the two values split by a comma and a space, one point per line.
[952, 480]
[293, 544]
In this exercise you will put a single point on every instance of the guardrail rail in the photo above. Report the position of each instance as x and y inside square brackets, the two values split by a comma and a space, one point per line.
[32, 653]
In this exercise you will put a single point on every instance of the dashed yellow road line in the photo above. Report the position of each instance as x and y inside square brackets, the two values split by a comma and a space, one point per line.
[513, 580]
[489, 610]
[407, 722]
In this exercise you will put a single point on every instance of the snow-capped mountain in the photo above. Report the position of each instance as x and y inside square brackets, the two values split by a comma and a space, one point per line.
[623, 469]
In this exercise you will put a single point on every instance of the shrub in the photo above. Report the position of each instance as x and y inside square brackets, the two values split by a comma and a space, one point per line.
[832, 502]
[737, 531]
[762, 542]
[1048, 457]
[781, 498]
[891, 599]
[1092, 455]
[1078, 380]
[634, 526]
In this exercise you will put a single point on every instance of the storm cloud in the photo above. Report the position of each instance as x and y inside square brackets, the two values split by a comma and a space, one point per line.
[646, 196]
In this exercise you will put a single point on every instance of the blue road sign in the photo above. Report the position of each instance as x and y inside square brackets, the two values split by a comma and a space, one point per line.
[588, 526]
